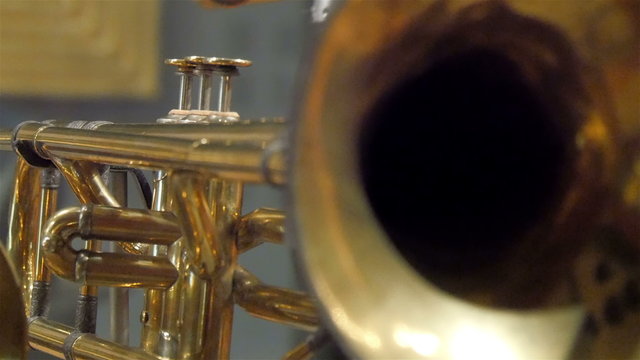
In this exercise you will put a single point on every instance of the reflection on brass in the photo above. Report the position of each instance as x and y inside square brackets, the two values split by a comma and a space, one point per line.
[23, 230]
[260, 226]
[455, 159]
[464, 179]
[90, 267]
[272, 303]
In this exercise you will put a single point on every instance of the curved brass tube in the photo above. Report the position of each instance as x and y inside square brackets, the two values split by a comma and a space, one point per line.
[273, 303]
[50, 337]
[259, 226]
[110, 269]
[86, 182]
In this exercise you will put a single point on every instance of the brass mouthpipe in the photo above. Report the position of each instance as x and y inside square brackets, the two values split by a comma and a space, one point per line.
[260, 226]
[275, 304]
[237, 161]
[49, 337]
[252, 131]
[114, 224]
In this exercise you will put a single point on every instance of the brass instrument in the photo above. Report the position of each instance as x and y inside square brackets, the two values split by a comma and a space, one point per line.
[464, 180]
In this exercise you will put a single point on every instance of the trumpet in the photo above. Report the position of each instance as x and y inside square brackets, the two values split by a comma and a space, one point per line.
[463, 179]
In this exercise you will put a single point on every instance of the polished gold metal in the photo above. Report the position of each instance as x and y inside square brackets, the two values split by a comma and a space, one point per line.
[49, 337]
[23, 230]
[541, 299]
[260, 226]
[376, 302]
[92, 268]
[13, 331]
[242, 161]
[275, 304]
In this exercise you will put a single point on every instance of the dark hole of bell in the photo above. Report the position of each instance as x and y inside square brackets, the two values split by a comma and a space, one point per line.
[460, 161]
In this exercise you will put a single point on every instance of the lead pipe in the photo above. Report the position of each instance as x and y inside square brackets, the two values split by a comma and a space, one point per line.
[238, 161]
[251, 131]
[5, 140]
[114, 224]
[154, 299]
[87, 183]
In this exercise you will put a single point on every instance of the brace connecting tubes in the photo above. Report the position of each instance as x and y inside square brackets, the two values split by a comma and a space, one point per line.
[111, 224]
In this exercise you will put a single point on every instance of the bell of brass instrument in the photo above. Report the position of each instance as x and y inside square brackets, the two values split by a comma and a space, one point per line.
[464, 180]
[471, 167]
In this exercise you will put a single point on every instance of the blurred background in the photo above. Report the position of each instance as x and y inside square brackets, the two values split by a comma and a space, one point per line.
[103, 60]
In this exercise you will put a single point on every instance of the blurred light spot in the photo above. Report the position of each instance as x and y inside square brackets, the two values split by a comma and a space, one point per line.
[425, 344]
[469, 343]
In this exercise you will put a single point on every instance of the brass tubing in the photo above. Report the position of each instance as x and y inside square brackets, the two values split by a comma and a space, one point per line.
[237, 161]
[200, 233]
[258, 131]
[154, 299]
[309, 347]
[50, 183]
[5, 140]
[276, 304]
[119, 297]
[49, 337]
[114, 224]
[259, 226]
[23, 230]
[86, 182]
[200, 243]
